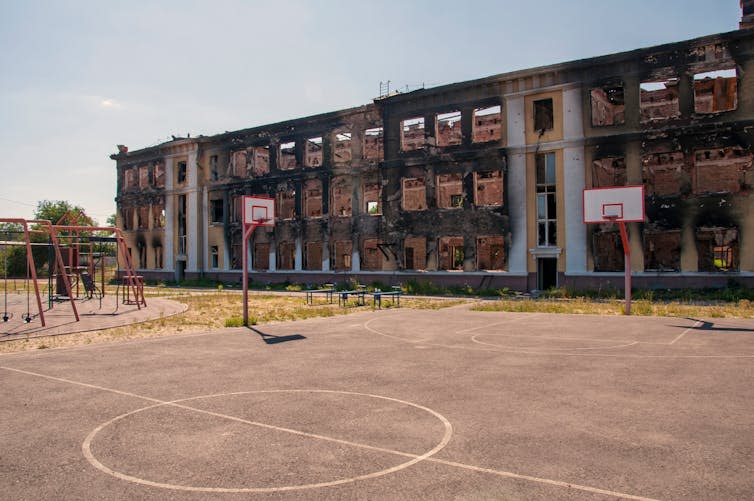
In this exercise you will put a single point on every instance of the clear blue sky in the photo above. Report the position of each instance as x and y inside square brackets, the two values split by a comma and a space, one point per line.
[79, 77]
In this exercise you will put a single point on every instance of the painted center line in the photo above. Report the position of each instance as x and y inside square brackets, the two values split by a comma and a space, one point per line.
[414, 458]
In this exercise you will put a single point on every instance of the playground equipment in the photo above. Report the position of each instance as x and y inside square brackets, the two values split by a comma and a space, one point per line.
[83, 252]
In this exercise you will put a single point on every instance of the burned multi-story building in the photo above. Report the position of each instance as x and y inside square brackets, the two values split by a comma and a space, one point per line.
[477, 182]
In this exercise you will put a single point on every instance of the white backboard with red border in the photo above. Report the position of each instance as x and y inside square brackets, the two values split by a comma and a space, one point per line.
[615, 204]
[259, 210]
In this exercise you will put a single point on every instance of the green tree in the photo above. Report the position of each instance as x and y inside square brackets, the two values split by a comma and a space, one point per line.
[55, 210]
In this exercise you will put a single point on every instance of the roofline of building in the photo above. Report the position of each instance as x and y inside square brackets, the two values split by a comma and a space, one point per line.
[576, 64]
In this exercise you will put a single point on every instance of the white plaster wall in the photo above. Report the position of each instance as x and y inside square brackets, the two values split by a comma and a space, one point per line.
[514, 117]
[168, 258]
[573, 124]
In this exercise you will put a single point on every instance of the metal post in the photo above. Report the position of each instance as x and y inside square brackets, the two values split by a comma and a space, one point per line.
[627, 259]
[247, 231]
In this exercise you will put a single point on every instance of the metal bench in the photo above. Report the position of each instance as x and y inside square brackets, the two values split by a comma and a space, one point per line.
[328, 293]
[360, 297]
[378, 295]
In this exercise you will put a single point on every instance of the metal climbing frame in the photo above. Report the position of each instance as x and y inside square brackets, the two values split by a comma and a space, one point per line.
[134, 283]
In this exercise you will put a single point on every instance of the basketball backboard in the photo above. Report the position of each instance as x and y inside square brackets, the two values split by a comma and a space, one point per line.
[259, 210]
[615, 204]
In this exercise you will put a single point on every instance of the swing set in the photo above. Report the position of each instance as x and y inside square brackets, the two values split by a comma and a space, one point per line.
[83, 252]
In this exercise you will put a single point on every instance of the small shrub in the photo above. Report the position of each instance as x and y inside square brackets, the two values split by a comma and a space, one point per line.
[234, 322]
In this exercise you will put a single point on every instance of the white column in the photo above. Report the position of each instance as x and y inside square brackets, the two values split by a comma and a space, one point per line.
[516, 182]
[205, 230]
[192, 213]
[574, 175]
[575, 244]
[299, 264]
[168, 257]
[355, 261]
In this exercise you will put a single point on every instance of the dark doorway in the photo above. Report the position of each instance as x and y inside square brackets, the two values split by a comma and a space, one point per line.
[547, 273]
[180, 270]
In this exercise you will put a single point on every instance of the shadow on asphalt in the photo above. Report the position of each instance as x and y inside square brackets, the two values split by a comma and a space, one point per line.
[270, 339]
[710, 326]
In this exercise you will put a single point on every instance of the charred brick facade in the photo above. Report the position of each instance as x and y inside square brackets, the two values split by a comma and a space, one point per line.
[475, 183]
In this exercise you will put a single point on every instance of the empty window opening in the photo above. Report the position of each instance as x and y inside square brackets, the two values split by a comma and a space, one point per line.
[261, 256]
[313, 198]
[341, 192]
[715, 91]
[607, 250]
[129, 179]
[451, 253]
[181, 172]
[216, 211]
[543, 115]
[448, 128]
[488, 188]
[609, 171]
[372, 198]
[487, 124]
[159, 175]
[286, 204]
[236, 249]
[664, 174]
[286, 256]
[143, 176]
[608, 106]
[313, 152]
[546, 200]
[415, 253]
[414, 194]
[721, 170]
[718, 249]
[450, 191]
[142, 255]
[158, 214]
[143, 217]
[260, 160]
[373, 144]
[371, 257]
[214, 256]
[236, 211]
[239, 163]
[662, 250]
[213, 169]
[158, 262]
[342, 250]
[659, 100]
[287, 156]
[342, 150]
[127, 218]
[412, 134]
[313, 256]
[490, 252]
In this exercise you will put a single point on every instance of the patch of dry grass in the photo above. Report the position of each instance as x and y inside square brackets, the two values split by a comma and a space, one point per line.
[211, 310]
[582, 306]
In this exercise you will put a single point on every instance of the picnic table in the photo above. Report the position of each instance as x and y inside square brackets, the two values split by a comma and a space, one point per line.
[360, 294]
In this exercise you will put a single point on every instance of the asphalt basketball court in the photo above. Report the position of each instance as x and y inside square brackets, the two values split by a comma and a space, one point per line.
[392, 404]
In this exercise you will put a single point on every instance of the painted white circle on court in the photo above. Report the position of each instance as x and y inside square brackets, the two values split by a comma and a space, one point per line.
[448, 432]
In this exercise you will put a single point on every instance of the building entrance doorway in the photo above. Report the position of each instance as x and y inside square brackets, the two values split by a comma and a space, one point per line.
[547, 273]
